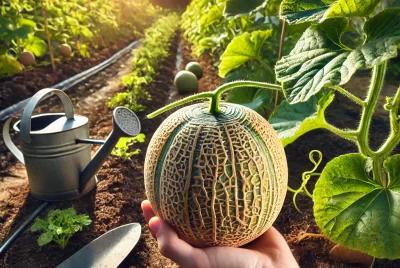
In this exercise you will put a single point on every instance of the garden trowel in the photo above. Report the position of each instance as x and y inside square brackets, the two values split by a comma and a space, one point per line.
[106, 251]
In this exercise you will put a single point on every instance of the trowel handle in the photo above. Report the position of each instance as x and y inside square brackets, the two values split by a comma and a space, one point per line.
[34, 101]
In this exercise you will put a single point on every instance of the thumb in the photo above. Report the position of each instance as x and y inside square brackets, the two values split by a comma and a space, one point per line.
[171, 246]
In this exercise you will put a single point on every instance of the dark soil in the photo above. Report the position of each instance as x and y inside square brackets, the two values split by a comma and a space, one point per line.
[116, 200]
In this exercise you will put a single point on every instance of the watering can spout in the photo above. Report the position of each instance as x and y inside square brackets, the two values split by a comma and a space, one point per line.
[125, 124]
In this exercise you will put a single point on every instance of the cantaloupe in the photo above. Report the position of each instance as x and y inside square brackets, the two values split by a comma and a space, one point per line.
[186, 82]
[195, 68]
[27, 58]
[217, 179]
[65, 50]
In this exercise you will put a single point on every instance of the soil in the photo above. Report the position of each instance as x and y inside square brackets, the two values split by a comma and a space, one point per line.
[116, 200]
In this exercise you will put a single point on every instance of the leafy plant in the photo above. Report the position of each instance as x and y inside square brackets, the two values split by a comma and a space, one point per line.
[82, 24]
[357, 194]
[122, 148]
[59, 226]
[147, 61]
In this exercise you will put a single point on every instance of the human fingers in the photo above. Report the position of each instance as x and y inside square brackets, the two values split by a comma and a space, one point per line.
[147, 210]
[271, 239]
[172, 247]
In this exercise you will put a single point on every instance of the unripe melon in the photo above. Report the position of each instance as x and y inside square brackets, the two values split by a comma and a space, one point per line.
[65, 50]
[27, 58]
[217, 179]
[195, 68]
[186, 82]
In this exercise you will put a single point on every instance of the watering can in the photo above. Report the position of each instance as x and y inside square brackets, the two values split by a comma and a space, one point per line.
[55, 147]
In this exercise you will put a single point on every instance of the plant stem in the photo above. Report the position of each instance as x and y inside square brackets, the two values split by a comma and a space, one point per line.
[394, 137]
[266, 67]
[345, 134]
[281, 43]
[368, 110]
[349, 95]
[46, 28]
[215, 96]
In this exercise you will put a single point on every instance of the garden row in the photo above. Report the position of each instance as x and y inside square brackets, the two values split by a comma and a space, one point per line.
[50, 30]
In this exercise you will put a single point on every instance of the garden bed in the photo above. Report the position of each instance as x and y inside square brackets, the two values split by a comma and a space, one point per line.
[116, 200]
[21, 86]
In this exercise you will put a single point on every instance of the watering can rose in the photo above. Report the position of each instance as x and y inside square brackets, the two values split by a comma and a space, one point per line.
[219, 179]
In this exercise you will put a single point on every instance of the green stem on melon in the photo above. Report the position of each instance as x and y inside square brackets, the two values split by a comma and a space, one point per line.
[215, 96]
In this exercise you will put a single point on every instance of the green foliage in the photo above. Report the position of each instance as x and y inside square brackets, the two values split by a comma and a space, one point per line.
[357, 195]
[123, 147]
[59, 226]
[258, 99]
[82, 24]
[9, 65]
[238, 7]
[291, 121]
[146, 63]
[242, 49]
[355, 211]
[319, 58]
[299, 11]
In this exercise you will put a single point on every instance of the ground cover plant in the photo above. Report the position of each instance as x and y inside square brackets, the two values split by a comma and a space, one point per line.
[59, 226]
[46, 30]
[147, 61]
[356, 196]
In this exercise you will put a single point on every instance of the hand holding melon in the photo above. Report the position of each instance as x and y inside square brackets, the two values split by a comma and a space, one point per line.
[217, 174]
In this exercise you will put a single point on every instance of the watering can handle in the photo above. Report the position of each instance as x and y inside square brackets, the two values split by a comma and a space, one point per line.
[34, 101]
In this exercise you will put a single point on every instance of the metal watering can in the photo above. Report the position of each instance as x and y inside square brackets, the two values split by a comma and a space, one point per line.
[56, 147]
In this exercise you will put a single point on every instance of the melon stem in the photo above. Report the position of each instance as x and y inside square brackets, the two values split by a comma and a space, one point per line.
[215, 96]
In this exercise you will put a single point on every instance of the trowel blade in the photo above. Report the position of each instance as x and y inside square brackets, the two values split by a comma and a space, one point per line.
[106, 251]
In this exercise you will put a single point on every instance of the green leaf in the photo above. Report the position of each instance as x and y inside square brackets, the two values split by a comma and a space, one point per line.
[242, 49]
[351, 8]
[320, 59]
[299, 11]
[260, 100]
[45, 238]
[291, 121]
[213, 15]
[355, 211]
[9, 65]
[36, 45]
[238, 7]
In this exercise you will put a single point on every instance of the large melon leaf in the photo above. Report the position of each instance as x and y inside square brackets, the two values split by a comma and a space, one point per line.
[291, 121]
[320, 59]
[241, 49]
[355, 211]
[238, 7]
[299, 11]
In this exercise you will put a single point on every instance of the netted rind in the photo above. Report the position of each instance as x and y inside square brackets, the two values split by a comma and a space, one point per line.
[217, 179]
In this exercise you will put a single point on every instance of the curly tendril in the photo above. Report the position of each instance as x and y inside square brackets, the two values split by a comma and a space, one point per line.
[305, 177]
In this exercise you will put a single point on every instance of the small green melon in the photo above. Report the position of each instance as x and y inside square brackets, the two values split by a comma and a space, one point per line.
[195, 68]
[186, 82]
